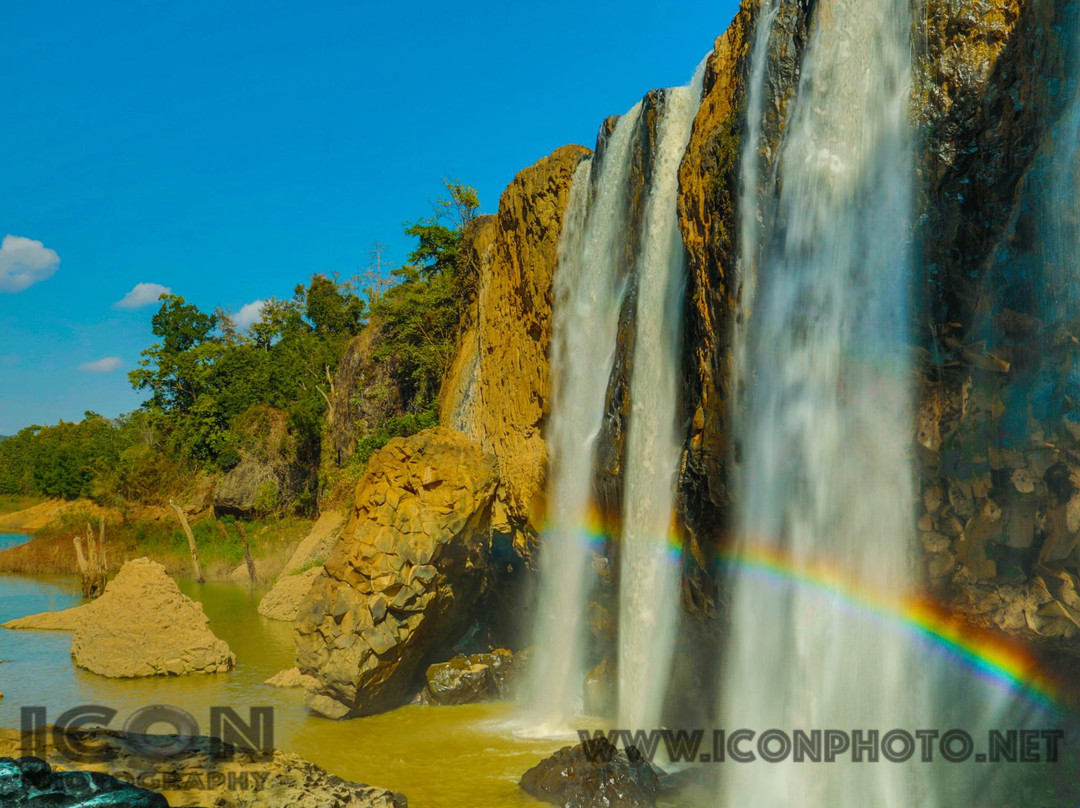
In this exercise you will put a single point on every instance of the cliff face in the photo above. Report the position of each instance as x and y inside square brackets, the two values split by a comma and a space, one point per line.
[498, 390]
[997, 432]
[710, 180]
[996, 442]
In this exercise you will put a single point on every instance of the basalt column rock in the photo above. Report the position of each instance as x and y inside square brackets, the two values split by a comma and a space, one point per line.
[402, 583]
[498, 392]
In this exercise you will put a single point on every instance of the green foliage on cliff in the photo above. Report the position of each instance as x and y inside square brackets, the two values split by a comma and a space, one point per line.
[204, 376]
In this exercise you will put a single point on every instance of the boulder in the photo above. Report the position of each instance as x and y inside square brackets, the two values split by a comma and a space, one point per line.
[283, 599]
[144, 626]
[404, 581]
[594, 774]
[473, 678]
[29, 782]
[290, 678]
[207, 772]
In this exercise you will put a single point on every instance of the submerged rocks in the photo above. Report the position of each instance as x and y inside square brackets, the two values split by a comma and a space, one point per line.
[144, 626]
[594, 774]
[282, 601]
[404, 580]
[30, 782]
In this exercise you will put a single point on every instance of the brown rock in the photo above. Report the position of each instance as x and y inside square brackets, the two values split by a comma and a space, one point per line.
[404, 580]
[282, 601]
[498, 391]
[144, 626]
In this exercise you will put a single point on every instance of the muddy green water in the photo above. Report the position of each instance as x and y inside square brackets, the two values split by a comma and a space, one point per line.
[439, 757]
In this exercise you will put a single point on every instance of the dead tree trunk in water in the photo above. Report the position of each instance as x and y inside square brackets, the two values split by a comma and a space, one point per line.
[191, 542]
[92, 565]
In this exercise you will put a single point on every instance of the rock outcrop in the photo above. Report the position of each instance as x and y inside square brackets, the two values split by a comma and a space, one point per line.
[364, 394]
[404, 580]
[498, 392]
[144, 626]
[30, 782]
[594, 774]
[268, 474]
[208, 772]
[284, 598]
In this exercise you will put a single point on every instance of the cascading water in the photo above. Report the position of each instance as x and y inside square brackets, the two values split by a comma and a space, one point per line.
[826, 482]
[648, 580]
[589, 286]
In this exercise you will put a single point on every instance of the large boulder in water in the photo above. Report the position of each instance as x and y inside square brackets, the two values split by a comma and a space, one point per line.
[143, 625]
[404, 581]
[594, 774]
[30, 782]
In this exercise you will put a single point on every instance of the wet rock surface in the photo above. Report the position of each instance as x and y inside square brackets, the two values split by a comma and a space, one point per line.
[404, 580]
[473, 678]
[204, 771]
[594, 774]
[30, 782]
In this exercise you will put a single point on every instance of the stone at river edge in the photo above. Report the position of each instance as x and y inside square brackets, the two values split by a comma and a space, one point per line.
[30, 782]
[207, 772]
[404, 580]
[283, 600]
[473, 678]
[143, 625]
[498, 390]
[594, 774]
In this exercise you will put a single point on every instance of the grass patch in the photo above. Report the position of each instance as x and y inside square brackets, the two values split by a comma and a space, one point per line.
[161, 539]
[9, 503]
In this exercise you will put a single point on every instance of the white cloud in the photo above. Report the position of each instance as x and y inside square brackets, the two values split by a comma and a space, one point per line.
[142, 294]
[24, 262]
[249, 314]
[104, 365]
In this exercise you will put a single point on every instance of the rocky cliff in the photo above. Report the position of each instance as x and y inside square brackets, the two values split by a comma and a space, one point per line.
[499, 388]
[404, 579]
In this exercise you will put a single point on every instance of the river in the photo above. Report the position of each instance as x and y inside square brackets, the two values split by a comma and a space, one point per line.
[439, 757]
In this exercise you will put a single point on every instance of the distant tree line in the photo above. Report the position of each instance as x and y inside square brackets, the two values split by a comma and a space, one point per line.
[203, 373]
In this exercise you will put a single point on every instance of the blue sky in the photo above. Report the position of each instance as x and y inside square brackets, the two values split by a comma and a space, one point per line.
[228, 151]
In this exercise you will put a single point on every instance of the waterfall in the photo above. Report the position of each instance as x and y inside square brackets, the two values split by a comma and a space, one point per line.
[826, 482]
[648, 581]
[588, 290]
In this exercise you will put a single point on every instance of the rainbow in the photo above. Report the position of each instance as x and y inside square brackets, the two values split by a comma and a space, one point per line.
[990, 655]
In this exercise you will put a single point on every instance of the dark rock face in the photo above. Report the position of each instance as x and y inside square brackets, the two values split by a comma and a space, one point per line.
[364, 394]
[594, 774]
[30, 782]
[270, 472]
[709, 196]
[611, 443]
[404, 580]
